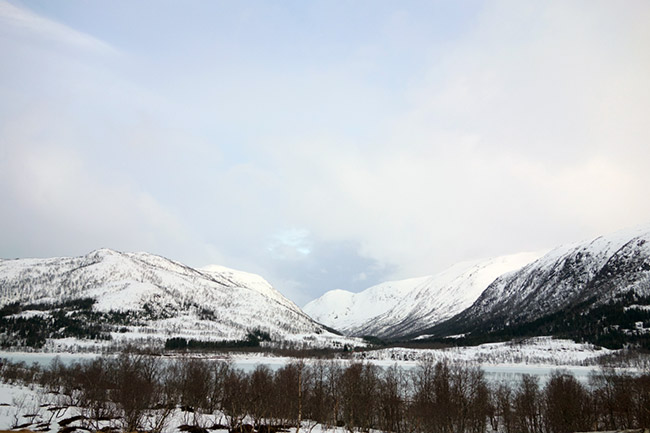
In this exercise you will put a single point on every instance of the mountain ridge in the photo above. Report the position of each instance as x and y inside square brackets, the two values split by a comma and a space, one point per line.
[561, 292]
[417, 301]
[145, 296]
[582, 290]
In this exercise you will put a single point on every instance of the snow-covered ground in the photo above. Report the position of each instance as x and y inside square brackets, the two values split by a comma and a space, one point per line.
[533, 351]
[15, 401]
[501, 362]
[541, 351]
[22, 405]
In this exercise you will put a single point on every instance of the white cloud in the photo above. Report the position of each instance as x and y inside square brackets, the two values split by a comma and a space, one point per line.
[62, 201]
[78, 154]
[528, 132]
[23, 22]
[525, 130]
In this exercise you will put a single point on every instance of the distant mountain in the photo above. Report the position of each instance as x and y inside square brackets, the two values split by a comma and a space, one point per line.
[113, 296]
[597, 291]
[347, 311]
[399, 308]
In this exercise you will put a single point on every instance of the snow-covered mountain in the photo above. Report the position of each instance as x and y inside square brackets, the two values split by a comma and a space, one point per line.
[611, 272]
[347, 311]
[399, 308]
[140, 295]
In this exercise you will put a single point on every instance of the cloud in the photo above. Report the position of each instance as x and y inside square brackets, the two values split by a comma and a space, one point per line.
[384, 147]
[329, 265]
[57, 203]
[22, 22]
[526, 133]
[82, 148]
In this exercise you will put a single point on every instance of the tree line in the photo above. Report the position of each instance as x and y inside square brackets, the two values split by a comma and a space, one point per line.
[140, 392]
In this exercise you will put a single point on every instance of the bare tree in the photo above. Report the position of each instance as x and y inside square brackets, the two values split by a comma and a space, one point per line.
[288, 393]
[502, 401]
[612, 399]
[260, 395]
[134, 387]
[642, 400]
[393, 396]
[94, 380]
[477, 404]
[567, 404]
[359, 384]
[220, 371]
[333, 394]
[527, 406]
[195, 383]
[233, 402]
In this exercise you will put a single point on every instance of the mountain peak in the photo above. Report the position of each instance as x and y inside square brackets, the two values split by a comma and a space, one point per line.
[152, 297]
[104, 252]
[568, 282]
[397, 308]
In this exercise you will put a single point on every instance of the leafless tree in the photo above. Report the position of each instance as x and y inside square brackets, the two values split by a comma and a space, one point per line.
[233, 402]
[288, 393]
[502, 401]
[567, 404]
[195, 382]
[393, 400]
[527, 406]
[642, 400]
[613, 399]
[260, 394]
[94, 381]
[359, 384]
[134, 387]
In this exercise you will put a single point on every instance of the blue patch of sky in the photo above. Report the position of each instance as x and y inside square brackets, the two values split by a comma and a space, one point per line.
[329, 266]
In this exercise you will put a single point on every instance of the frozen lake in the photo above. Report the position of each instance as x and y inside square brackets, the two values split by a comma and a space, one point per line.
[512, 373]
[496, 373]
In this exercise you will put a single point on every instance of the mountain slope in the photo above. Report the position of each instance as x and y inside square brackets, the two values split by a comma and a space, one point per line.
[148, 296]
[395, 309]
[566, 286]
[347, 311]
[443, 295]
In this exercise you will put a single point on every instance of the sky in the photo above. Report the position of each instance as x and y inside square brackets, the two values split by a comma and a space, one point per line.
[321, 144]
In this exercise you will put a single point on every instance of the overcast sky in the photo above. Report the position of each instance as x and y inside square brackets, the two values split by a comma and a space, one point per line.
[322, 144]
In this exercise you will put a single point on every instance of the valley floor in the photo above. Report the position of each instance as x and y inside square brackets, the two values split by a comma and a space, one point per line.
[501, 362]
[27, 405]
[545, 351]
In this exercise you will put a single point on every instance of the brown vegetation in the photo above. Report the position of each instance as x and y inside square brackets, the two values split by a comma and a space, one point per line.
[139, 392]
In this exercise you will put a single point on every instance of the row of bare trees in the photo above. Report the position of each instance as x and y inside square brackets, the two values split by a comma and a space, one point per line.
[139, 392]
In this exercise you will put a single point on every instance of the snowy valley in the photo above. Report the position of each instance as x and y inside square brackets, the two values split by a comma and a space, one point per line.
[596, 291]
[399, 308]
[215, 327]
